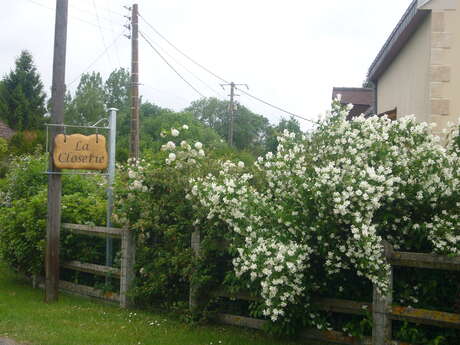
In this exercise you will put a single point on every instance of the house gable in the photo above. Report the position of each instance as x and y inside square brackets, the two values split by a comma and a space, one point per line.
[417, 71]
[401, 34]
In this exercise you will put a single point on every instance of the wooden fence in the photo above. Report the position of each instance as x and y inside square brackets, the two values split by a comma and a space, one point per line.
[125, 274]
[382, 308]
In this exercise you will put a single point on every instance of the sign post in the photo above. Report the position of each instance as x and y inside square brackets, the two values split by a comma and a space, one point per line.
[110, 180]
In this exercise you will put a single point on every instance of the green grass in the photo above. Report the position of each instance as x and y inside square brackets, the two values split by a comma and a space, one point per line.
[25, 318]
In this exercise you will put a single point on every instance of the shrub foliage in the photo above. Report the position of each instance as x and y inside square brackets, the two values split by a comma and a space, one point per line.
[306, 220]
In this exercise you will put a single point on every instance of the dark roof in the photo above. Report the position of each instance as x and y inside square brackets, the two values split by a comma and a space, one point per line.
[362, 98]
[5, 131]
[354, 95]
[406, 26]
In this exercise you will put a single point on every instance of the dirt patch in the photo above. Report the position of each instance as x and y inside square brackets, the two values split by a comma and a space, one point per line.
[6, 341]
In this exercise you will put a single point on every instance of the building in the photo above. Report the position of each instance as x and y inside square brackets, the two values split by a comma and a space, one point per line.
[5, 131]
[361, 98]
[417, 71]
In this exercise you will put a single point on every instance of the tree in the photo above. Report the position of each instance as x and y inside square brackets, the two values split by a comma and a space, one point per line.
[249, 131]
[22, 99]
[292, 125]
[212, 112]
[153, 126]
[117, 89]
[88, 104]
[147, 112]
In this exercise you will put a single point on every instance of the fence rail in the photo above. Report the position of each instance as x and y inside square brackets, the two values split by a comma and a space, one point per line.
[422, 260]
[91, 268]
[382, 308]
[125, 274]
[94, 230]
[88, 291]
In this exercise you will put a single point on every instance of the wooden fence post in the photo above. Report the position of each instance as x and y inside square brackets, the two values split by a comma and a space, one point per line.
[381, 308]
[193, 292]
[128, 254]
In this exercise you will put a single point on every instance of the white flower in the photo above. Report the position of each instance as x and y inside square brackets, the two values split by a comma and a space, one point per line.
[172, 157]
[198, 145]
[137, 185]
[170, 145]
[184, 127]
[174, 132]
[201, 153]
[131, 174]
[240, 164]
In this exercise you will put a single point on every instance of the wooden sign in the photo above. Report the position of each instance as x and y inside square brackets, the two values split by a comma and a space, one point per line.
[79, 151]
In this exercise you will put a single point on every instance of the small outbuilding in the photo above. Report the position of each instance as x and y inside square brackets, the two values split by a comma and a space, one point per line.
[362, 99]
[5, 131]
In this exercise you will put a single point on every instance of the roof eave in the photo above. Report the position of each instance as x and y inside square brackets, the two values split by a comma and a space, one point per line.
[408, 24]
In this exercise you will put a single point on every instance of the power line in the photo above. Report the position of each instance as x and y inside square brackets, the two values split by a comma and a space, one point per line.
[71, 17]
[184, 67]
[182, 53]
[165, 92]
[115, 12]
[170, 66]
[219, 77]
[97, 58]
[276, 107]
[89, 12]
[100, 30]
[113, 34]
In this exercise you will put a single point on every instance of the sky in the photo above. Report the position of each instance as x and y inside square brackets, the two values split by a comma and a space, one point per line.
[290, 53]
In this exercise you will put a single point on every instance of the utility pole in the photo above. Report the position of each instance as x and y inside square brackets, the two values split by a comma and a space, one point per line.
[134, 147]
[231, 110]
[231, 114]
[53, 225]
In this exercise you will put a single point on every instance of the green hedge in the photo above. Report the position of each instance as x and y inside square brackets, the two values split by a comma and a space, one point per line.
[23, 214]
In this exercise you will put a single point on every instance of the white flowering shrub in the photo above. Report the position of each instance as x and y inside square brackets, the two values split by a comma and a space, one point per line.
[329, 199]
[150, 199]
[307, 219]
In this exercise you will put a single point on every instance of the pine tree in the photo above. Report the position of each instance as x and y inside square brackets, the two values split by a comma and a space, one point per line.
[22, 99]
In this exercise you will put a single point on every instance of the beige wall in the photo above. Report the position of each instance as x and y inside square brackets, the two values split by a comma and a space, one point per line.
[405, 83]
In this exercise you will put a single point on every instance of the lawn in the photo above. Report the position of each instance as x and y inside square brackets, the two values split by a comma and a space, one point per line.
[25, 318]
